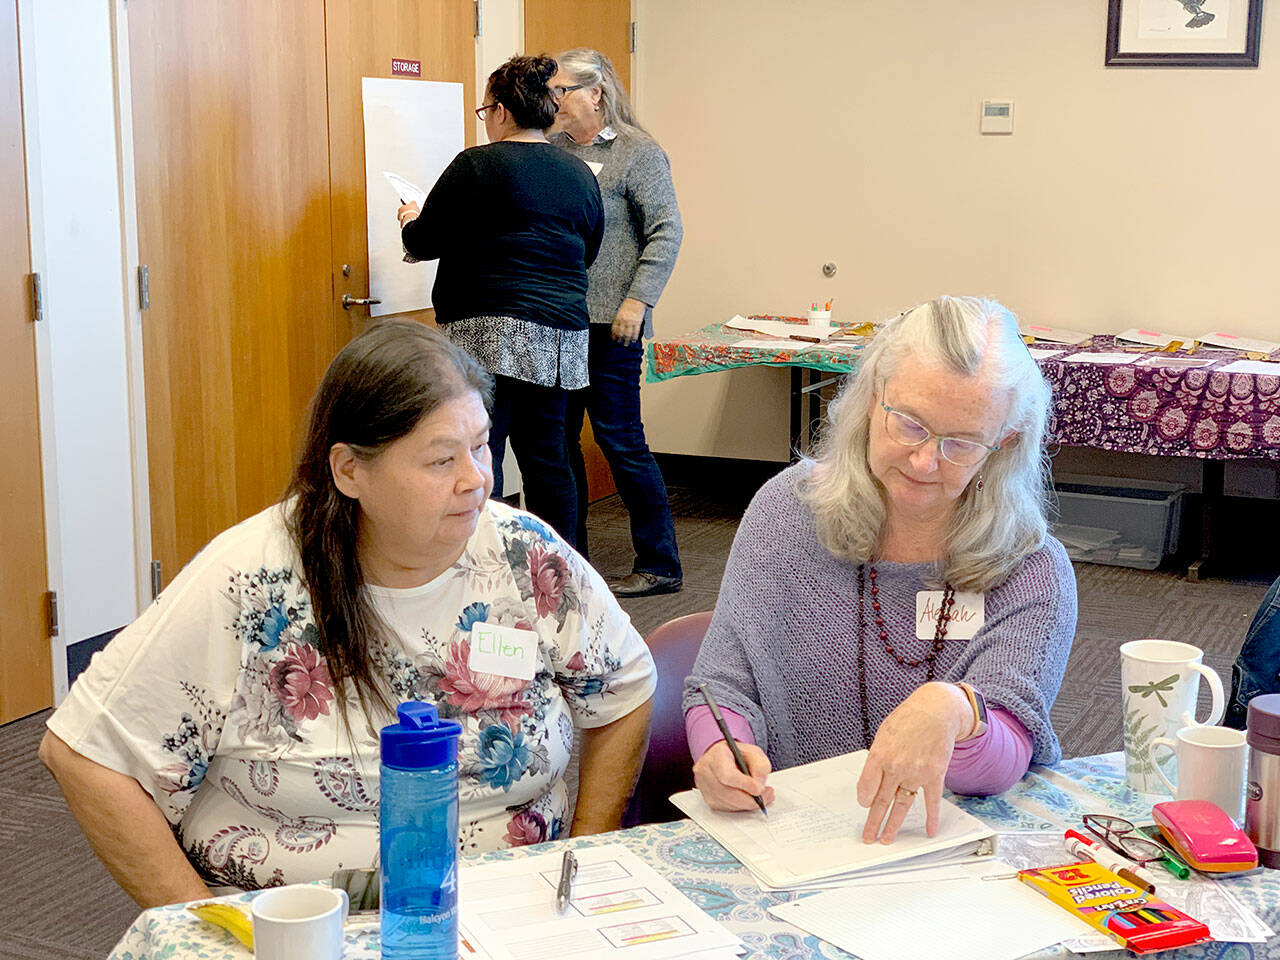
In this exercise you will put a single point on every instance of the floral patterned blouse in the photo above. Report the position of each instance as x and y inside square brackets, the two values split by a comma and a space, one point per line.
[217, 701]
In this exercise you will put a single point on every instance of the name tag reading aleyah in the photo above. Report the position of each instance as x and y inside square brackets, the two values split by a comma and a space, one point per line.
[504, 651]
[967, 615]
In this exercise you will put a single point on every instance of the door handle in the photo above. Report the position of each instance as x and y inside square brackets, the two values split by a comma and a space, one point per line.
[349, 301]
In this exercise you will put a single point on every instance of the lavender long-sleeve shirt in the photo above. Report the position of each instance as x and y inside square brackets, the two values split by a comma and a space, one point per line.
[781, 651]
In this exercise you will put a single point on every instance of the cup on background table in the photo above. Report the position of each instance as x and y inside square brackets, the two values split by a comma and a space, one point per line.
[1160, 680]
[820, 319]
[1210, 764]
[299, 922]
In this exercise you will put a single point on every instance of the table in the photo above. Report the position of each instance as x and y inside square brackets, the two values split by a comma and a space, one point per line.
[1045, 799]
[1200, 412]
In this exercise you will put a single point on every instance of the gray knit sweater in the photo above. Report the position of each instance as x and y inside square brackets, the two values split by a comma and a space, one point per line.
[642, 229]
[781, 650]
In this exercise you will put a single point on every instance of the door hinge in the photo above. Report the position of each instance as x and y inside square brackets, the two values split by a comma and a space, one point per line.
[51, 600]
[144, 287]
[155, 579]
[37, 298]
[479, 19]
[633, 34]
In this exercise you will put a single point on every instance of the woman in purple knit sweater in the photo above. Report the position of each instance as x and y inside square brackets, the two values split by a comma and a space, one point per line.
[901, 592]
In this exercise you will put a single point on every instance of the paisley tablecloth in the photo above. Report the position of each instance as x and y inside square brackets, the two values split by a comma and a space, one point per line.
[1045, 799]
[1197, 412]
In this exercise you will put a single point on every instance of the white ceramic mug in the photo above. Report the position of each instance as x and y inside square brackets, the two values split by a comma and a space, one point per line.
[1211, 763]
[1160, 680]
[299, 922]
[820, 319]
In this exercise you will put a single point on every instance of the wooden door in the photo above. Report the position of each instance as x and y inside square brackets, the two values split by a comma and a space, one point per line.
[249, 153]
[552, 26]
[231, 148]
[26, 676]
[364, 36]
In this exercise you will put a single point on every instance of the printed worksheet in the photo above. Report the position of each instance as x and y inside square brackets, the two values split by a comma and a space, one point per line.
[620, 906]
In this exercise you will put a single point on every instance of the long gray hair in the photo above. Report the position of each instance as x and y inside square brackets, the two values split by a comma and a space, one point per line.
[992, 530]
[591, 68]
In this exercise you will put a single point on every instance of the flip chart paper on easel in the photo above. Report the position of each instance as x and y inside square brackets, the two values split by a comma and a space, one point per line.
[414, 128]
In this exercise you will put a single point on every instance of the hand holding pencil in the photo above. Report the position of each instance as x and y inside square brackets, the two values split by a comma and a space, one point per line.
[731, 775]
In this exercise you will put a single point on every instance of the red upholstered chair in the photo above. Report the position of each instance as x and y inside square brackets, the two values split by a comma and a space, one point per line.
[667, 768]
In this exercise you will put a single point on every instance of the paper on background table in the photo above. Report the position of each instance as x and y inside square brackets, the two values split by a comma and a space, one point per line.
[772, 344]
[1266, 368]
[813, 831]
[620, 907]
[1101, 358]
[1052, 334]
[1037, 354]
[980, 919]
[1173, 363]
[1150, 338]
[1239, 343]
[414, 127]
[778, 329]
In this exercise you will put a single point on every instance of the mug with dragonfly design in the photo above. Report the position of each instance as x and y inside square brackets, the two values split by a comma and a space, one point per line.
[1160, 680]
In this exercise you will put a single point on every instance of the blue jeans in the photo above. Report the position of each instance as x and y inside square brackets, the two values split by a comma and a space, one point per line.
[1257, 668]
[613, 404]
[532, 417]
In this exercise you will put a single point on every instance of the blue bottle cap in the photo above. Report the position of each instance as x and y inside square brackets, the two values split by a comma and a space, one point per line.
[421, 739]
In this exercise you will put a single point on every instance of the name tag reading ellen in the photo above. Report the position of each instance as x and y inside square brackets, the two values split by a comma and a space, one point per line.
[503, 651]
[967, 615]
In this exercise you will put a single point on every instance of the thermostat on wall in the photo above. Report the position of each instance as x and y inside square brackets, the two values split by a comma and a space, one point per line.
[997, 116]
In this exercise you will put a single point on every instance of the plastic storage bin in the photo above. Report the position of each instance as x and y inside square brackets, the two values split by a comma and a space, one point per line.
[1118, 521]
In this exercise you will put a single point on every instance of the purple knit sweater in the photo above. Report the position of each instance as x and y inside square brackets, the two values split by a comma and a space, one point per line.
[781, 650]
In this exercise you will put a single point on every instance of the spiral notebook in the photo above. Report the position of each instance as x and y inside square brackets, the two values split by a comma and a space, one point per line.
[812, 838]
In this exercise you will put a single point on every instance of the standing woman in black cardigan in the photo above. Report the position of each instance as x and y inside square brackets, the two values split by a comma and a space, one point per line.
[515, 224]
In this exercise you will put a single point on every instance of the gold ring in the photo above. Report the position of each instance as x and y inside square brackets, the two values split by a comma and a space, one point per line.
[902, 793]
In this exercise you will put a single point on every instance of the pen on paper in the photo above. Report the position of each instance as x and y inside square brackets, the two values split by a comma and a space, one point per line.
[564, 889]
[728, 737]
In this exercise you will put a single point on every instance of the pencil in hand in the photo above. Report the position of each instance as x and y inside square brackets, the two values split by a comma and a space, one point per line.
[728, 738]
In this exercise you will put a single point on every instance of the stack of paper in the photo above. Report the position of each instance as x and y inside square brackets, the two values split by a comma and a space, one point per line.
[812, 837]
[780, 330]
[1248, 344]
[1150, 338]
[1052, 334]
[620, 907]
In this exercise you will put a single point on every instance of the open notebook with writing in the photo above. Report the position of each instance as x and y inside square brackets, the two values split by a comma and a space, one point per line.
[812, 837]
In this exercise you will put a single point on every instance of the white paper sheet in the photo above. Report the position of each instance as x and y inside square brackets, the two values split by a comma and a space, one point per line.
[814, 829]
[405, 191]
[778, 329]
[980, 919]
[1173, 363]
[620, 906]
[1251, 344]
[1052, 334]
[1266, 368]
[1101, 358]
[412, 127]
[771, 344]
[1037, 354]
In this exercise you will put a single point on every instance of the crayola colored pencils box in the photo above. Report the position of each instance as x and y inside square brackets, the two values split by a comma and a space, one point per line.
[1107, 902]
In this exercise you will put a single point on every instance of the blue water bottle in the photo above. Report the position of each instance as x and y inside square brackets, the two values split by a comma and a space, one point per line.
[419, 835]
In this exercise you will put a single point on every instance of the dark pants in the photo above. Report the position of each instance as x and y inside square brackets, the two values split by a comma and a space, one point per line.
[613, 404]
[533, 418]
[1257, 668]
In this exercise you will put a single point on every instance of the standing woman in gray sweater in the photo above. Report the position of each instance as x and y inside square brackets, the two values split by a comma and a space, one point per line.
[642, 235]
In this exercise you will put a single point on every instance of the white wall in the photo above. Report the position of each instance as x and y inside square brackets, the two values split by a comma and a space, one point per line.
[847, 130]
[77, 237]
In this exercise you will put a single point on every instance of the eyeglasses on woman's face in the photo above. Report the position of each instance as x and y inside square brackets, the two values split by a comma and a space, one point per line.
[485, 108]
[911, 433]
[559, 92]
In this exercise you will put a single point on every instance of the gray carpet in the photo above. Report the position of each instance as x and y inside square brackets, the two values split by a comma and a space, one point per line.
[60, 904]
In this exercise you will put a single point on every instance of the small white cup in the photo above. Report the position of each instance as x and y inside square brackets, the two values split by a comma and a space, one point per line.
[1211, 764]
[299, 922]
[820, 319]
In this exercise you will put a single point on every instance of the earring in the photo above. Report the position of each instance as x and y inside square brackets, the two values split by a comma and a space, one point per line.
[980, 484]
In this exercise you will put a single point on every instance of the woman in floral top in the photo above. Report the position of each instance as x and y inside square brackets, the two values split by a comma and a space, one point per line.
[230, 735]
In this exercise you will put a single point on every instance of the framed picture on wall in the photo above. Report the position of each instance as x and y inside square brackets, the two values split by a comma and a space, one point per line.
[1183, 33]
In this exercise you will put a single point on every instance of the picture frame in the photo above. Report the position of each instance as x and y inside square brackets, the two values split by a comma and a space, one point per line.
[1183, 33]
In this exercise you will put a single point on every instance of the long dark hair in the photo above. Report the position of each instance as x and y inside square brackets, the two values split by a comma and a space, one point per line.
[378, 388]
[521, 85]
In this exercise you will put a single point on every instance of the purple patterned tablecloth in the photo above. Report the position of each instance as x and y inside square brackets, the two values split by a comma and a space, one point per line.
[1129, 407]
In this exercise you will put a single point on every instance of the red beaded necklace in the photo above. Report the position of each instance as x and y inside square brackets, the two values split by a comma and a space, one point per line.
[868, 571]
